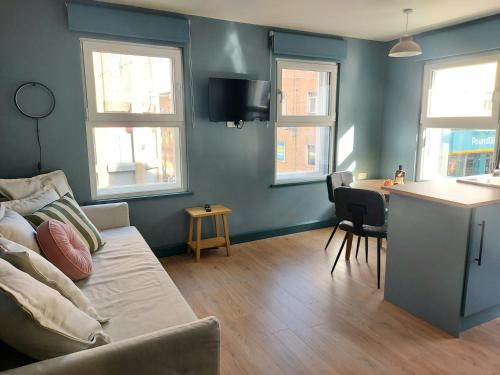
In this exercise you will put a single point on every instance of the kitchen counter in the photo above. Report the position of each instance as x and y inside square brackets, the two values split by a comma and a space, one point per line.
[443, 254]
[448, 191]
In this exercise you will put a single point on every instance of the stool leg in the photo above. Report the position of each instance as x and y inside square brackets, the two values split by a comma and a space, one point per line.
[216, 223]
[357, 246]
[226, 234]
[190, 234]
[198, 238]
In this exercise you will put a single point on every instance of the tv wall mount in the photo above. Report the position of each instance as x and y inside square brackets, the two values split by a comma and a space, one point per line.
[235, 124]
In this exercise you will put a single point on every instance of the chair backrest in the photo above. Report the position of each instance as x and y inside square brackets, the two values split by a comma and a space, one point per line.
[359, 206]
[338, 179]
[347, 178]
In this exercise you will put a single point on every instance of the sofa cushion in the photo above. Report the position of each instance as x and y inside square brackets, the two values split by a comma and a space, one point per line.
[16, 228]
[67, 211]
[18, 188]
[42, 270]
[108, 215]
[64, 248]
[28, 205]
[38, 321]
[129, 285]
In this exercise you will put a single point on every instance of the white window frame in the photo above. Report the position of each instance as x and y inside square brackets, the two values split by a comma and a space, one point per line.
[329, 67]
[460, 122]
[475, 122]
[125, 48]
[106, 120]
[286, 121]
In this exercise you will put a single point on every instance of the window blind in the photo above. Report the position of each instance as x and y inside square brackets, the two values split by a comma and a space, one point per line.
[303, 45]
[127, 22]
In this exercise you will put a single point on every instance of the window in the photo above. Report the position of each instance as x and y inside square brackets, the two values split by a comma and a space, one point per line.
[305, 120]
[283, 102]
[280, 151]
[459, 117]
[312, 98]
[311, 154]
[135, 118]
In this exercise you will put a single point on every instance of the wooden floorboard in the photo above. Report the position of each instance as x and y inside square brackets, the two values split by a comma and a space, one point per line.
[282, 313]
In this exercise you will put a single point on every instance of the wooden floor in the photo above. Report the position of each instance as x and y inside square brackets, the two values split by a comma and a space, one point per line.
[282, 313]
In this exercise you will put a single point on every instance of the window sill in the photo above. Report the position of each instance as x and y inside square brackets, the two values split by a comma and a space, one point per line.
[139, 198]
[296, 183]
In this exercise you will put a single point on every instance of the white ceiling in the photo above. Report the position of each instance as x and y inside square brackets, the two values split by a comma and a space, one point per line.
[367, 19]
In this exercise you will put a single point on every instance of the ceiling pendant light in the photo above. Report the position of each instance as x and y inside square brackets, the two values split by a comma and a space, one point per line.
[406, 46]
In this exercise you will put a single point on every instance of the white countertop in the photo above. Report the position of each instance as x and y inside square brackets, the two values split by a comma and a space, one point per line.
[448, 191]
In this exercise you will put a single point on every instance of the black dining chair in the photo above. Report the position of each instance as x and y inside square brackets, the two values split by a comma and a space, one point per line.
[362, 213]
[333, 181]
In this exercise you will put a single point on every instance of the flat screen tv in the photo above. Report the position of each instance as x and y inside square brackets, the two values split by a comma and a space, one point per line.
[238, 99]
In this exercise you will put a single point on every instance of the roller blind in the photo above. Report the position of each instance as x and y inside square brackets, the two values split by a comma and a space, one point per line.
[127, 22]
[294, 44]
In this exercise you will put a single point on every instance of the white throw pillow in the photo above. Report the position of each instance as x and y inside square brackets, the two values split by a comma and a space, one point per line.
[18, 188]
[41, 269]
[28, 205]
[16, 228]
[38, 321]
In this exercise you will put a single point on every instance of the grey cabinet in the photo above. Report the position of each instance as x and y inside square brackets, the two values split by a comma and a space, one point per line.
[482, 279]
[431, 266]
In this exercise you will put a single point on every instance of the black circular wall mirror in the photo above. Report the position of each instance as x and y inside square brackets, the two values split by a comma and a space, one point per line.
[34, 100]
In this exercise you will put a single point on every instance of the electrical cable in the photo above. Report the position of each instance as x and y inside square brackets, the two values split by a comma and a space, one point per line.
[271, 41]
[35, 116]
[39, 165]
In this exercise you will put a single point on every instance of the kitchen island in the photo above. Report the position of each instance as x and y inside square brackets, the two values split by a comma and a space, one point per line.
[443, 255]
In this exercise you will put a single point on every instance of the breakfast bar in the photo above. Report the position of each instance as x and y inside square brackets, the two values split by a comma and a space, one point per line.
[443, 256]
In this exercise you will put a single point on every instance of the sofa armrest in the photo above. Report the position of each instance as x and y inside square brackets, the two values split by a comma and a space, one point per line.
[192, 348]
[108, 216]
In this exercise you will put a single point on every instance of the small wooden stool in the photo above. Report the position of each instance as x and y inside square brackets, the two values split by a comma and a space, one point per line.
[199, 213]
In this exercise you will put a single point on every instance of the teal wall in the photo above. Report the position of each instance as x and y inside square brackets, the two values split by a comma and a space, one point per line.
[403, 89]
[361, 99]
[233, 167]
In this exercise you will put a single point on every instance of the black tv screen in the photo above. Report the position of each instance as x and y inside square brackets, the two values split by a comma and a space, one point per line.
[238, 99]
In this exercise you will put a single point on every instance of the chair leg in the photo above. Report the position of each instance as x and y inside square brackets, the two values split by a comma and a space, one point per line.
[331, 235]
[340, 252]
[366, 248]
[357, 246]
[379, 245]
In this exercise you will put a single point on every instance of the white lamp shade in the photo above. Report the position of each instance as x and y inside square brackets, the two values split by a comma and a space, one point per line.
[406, 47]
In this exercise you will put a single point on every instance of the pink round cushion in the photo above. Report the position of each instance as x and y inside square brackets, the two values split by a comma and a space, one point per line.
[63, 248]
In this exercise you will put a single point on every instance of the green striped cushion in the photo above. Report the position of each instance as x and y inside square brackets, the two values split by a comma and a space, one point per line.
[67, 211]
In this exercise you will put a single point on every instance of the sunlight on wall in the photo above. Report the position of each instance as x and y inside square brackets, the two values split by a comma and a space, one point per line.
[233, 49]
[345, 146]
[352, 167]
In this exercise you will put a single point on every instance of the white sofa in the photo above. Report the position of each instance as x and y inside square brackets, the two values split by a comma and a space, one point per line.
[154, 330]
